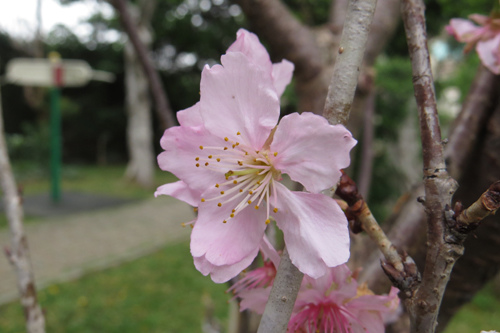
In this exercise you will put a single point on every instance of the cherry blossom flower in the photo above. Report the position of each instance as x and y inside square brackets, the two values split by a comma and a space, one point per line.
[230, 153]
[334, 302]
[485, 37]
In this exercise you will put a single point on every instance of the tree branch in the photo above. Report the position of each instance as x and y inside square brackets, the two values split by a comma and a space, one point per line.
[347, 66]
[358, 209]
[284, 292]
[443, 251]
[163, 110]
[18, 254]
[475, 111]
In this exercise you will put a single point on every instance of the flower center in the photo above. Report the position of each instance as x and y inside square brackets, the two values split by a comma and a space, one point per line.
[249, 175]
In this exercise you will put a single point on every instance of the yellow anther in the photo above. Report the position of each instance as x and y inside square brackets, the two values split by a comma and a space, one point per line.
[192, 226]
[217, 185]
[197, 159]
[201, 147]
[226, 139]
[241, 190]
[225, 148]
[227, 177]
[221, 192]
[238, 133]
[210, 156]
[275, 153]
[218, 160]
[202, 199]
[224, 221]
[234, 146]
[197, 165]
[240, 163]
[275, 210]
[195, 209]
[235, 182]
[206, 164]
[246, 153]
[255, 160]
[183, 224]
[268, 221]
[219, 204]
[250, 192]
[237, 144]
[258, 183]
[249, 202]
[256, 207]
[233, 211]
[232, 215]
[257, 151]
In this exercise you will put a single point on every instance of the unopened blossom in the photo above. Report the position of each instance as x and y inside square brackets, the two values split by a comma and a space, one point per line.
[229, 153]
[485, 38]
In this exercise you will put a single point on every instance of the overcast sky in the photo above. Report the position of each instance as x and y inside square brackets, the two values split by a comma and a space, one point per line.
[18, 17]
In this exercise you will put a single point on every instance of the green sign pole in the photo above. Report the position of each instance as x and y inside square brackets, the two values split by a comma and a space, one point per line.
[55, 143]
[55, 127]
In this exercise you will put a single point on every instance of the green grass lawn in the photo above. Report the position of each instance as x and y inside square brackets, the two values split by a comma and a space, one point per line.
[161, 292]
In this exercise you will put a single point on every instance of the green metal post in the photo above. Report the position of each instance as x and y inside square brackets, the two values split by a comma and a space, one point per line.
[55, 144]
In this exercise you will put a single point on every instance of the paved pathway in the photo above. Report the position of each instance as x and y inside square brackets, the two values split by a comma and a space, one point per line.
[66, 247]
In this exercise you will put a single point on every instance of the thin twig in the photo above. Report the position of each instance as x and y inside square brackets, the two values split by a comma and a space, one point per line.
[347, 66]
[163, 110]
[486, 205]
[358, 209]
[18, 254]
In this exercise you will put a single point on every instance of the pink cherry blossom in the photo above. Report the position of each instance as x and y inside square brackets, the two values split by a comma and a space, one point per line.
[485, 37]
[229, 153]
[336, 303]
[332, 303]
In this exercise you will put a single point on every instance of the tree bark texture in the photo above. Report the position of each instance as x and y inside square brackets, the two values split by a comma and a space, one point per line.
[18, 253]
[141, 164]
[165, 113]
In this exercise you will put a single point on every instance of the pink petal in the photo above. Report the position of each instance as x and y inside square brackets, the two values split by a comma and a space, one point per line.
[190, 116]
[236, 97]
[269, 252]
[488, 53]
[462, 29]
[224, 273]
[315, 230]
[254, 299]
[311, 151]
[249, 44]
[181, 191]
[182, 146]
[226, 243]
[282, 75]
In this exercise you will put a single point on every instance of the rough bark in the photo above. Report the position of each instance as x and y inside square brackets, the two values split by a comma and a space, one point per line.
[165, 114]
[18, 253]
[444, 247]
[141, 164]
